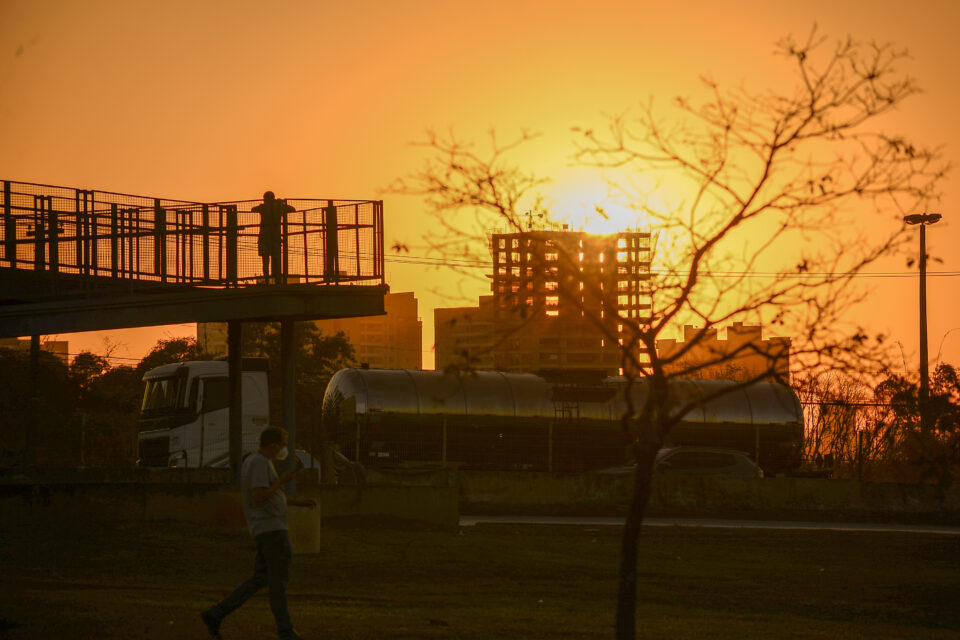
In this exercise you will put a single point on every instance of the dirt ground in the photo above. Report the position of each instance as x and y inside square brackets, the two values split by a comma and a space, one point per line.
[389, 579]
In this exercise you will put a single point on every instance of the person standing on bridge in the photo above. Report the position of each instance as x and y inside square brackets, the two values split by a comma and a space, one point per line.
[271, 211]
[265, 506]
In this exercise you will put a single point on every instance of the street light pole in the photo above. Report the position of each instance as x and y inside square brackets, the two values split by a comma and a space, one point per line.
[923, 219]
[924, 363]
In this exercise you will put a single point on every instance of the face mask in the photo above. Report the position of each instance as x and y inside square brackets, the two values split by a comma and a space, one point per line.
[282, 454]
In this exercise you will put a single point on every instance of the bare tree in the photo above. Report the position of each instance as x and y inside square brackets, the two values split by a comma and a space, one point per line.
[775, 202]
[468, 192]
[839, 415]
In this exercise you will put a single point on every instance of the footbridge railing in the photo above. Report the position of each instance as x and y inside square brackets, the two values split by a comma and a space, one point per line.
[100, 234]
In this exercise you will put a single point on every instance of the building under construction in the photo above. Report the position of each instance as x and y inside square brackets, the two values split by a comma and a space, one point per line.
[560, 302]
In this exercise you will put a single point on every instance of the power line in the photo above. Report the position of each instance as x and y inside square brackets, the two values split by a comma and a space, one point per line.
[488, 264]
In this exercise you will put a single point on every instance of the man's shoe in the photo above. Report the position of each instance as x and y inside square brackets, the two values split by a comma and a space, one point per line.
[213, 624]
[291, 635]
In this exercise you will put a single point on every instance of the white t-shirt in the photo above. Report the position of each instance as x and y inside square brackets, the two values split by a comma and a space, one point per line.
[271, 514]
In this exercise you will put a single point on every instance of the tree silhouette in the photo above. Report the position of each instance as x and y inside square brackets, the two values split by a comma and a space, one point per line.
[931, 453]
[169, 351]
[784, 198]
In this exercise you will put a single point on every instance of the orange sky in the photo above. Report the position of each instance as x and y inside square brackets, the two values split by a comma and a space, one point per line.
[222, 100]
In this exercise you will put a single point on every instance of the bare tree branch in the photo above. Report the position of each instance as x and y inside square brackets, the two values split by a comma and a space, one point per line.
[787, 197]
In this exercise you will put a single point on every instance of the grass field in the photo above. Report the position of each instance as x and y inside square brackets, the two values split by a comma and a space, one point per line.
[380, 580]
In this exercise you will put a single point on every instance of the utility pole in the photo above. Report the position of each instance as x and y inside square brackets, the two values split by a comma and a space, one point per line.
[923, 219]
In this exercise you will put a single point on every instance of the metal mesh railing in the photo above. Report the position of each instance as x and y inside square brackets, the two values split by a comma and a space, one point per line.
[62, 230]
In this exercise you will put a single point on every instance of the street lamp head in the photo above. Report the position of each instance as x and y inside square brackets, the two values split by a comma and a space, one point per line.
[922, 218]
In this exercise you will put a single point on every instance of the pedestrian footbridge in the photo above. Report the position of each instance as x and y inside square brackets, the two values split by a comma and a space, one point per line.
[75, 259]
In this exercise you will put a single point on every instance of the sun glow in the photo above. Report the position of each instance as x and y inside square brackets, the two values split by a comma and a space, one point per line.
[600, 203]
[592, 210]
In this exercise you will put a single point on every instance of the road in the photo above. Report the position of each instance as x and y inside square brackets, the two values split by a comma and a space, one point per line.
[468, 521]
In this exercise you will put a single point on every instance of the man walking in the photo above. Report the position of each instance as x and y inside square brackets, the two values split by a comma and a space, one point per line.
[265, 506]
[271, 210]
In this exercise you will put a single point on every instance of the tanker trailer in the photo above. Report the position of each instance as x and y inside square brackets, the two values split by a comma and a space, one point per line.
[514, 421]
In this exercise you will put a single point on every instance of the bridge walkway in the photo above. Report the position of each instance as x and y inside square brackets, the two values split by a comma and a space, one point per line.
[76, 259]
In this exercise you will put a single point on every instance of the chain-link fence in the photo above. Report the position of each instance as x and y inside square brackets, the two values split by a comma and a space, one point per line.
[62, 230]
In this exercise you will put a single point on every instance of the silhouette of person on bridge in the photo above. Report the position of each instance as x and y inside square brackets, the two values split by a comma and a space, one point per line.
[271, 211]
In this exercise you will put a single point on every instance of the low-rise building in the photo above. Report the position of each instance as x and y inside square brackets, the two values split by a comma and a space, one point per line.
[744, 354]
[464, 336]
[391, 341]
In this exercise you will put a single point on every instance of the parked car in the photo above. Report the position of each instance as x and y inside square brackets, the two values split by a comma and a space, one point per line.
[698, 461]
[706, 461]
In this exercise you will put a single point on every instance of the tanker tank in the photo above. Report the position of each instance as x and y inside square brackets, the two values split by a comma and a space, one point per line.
[514, 421]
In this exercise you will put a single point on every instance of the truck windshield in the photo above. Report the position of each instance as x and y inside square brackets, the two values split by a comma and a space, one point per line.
[163, 394]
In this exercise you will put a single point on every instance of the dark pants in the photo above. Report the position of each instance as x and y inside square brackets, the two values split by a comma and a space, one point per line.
[272, 267]
[269, 248]
[271, 568]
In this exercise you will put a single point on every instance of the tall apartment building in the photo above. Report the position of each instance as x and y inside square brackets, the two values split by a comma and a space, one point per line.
[557, 304]
[744, 354]
[391, 341]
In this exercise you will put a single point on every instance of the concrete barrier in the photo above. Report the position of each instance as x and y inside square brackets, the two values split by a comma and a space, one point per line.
[66, 496]
[436, 498]
[602, 494]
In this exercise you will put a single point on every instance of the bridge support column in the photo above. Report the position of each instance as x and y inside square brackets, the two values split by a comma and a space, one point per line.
[235, 384]
[30, 439]
[288, 364]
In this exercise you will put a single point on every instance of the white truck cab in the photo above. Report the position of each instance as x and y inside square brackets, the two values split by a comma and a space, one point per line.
[185, 415]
